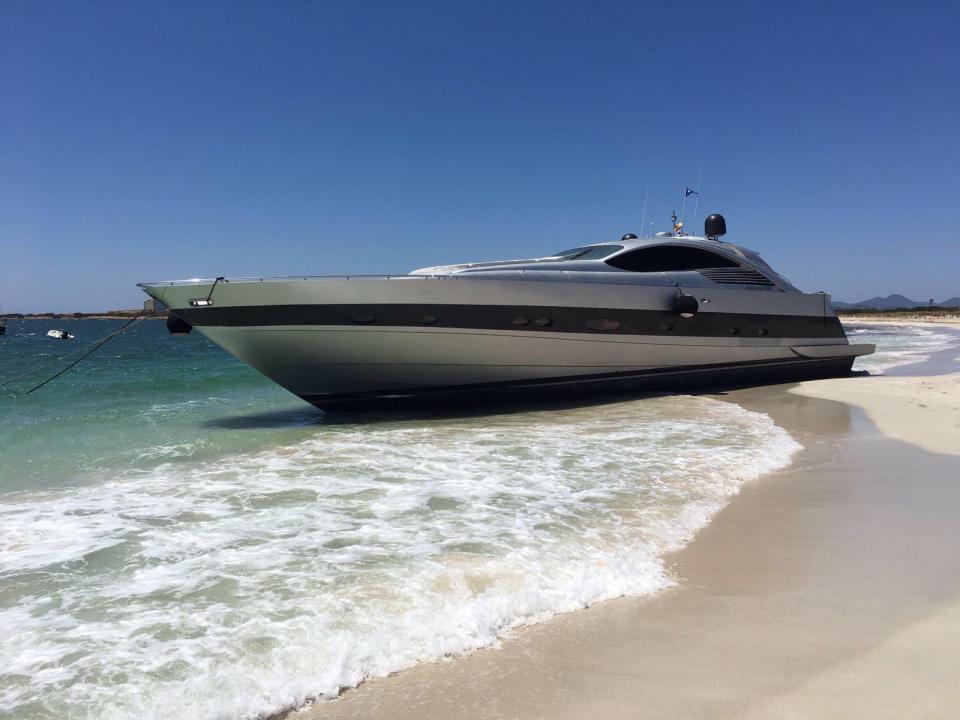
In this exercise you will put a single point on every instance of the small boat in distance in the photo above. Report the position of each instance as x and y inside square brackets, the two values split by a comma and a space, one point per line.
[671, 312]
[59, 334]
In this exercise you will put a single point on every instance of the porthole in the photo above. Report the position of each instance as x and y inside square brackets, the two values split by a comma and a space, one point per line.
[428, 320]
[734, 331]
[521, 321]
[763, 332]
[364, 319]
[604, 324]
[543, 322]
[666, 327]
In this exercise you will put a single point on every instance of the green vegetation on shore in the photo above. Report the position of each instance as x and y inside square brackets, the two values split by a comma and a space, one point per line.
[915, 313]
[109, 314]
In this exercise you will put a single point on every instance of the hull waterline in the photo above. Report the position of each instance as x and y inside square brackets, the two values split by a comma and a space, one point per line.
[591, 387]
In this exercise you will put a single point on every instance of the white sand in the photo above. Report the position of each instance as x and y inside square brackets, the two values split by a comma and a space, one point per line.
[923, 411]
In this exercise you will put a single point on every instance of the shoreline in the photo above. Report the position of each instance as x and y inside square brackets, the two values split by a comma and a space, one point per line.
[819, 607]
[923, 410]
[94, 316]
[880, 320]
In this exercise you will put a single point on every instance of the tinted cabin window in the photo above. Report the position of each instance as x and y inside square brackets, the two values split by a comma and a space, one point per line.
[667, 258]
[587, 253]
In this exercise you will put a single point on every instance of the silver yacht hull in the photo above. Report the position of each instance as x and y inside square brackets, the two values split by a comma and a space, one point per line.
[347, 342]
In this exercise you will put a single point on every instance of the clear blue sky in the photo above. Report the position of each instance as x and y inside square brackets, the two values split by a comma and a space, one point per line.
[143, 141]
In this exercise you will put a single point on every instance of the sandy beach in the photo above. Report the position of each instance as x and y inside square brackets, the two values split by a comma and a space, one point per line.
[828, 590]
[923, 411]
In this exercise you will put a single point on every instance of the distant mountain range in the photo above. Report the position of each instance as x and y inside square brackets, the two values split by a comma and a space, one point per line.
[893, 302]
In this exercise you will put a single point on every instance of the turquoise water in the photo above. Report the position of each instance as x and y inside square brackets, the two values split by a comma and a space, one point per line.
[144, 393]
[179, 537]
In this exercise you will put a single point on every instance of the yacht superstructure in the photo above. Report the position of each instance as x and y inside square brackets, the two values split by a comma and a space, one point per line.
[668, 311]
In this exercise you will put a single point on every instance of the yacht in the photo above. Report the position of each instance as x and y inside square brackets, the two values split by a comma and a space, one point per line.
[668, 312]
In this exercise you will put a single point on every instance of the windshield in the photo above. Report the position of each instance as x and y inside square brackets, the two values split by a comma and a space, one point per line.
[590, 252]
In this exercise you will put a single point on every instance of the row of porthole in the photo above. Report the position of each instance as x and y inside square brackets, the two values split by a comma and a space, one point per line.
[517, 321]
[602, 324]
[538, 322]
[762, 332]
[370, 319]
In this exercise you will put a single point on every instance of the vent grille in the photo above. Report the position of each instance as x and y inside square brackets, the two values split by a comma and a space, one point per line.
[735, 276]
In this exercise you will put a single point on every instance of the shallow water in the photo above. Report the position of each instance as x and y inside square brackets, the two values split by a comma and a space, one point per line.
[899, 345]
[180, 537]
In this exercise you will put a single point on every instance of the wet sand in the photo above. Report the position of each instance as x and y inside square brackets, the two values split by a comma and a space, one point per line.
[829, 590]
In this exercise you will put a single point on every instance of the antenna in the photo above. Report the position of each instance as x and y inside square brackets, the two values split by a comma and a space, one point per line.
[683, 210]
[646, 194]
[696, 203]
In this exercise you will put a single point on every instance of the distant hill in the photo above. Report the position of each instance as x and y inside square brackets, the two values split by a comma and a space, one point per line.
[892, 302]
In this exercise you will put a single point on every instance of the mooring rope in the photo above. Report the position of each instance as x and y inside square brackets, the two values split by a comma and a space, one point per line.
[92, 347]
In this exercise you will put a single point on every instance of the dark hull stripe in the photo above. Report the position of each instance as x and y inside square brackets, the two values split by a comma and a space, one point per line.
[600, 321]
[760, 372]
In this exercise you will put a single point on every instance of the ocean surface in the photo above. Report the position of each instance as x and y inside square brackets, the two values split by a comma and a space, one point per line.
[179, 537]
[899, 346]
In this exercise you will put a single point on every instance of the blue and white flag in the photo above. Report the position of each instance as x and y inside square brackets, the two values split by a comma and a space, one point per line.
[690, 192]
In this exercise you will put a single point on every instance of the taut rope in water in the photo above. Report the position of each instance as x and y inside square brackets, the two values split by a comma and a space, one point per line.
[92, 347]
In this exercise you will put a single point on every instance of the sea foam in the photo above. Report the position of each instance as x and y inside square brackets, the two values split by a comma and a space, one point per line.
[898, 345]
[241, 585]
